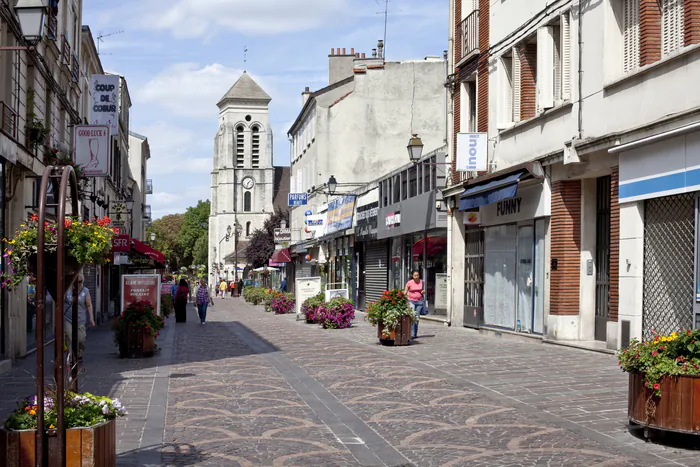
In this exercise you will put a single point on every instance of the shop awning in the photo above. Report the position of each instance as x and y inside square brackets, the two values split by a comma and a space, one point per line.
[491, 191]
[435, 245]
[281, 256]
[142, 248]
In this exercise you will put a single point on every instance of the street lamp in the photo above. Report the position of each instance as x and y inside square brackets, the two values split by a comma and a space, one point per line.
[332, 185]
[239, 230]
[228, 232]
[415, 148]
[153, 237]
[31, 15]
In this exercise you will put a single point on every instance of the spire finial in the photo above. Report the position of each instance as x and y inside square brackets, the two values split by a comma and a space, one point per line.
[245, 58]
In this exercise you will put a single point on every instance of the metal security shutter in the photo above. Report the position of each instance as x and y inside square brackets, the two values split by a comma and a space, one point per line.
[669, 236]
[303, 270]
[376, 272]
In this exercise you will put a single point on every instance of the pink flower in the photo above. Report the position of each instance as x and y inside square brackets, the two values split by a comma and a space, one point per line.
[656, 386]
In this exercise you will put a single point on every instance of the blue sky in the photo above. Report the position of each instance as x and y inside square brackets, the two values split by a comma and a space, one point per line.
[180, 56]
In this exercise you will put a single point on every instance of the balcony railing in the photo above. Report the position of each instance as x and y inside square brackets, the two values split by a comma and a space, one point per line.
[53, 27]
[149, 186]
[75, 68]
[469, 38]
[65, 49]
[8, 120]
[147, 211]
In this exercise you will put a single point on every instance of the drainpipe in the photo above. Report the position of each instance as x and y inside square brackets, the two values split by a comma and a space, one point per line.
[580, 71]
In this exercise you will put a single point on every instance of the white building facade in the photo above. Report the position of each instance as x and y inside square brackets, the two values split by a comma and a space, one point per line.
[591, 131]
[243, 176]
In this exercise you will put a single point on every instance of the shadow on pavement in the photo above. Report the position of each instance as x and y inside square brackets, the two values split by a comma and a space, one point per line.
[665, 438]
[157, 455]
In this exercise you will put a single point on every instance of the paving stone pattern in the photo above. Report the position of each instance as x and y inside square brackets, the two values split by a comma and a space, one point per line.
[253, 389]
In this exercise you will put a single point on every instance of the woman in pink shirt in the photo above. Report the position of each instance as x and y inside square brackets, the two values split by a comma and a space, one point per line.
[415, 292]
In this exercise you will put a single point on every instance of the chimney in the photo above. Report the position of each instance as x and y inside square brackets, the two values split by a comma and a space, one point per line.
[337, 51]
[332, 51]
[380, 48]
[352, 51]
[305, 96]
[340, 65]
[374, 53]
[343, 50]
[363, 55]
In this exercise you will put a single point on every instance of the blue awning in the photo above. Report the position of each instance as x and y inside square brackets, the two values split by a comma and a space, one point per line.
[491, 192]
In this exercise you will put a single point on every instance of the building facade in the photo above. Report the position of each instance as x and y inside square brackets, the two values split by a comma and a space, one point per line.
[243, 176]
[588, 184]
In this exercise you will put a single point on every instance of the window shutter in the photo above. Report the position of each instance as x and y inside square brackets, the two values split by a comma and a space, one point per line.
[545, 65]
[516, 85]
[672, 16]
[565, 41]
[630, 19]
[505, 98]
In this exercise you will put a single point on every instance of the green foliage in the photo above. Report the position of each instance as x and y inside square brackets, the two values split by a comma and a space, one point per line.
[166, 229]
[312, 306]
[389, 310]
[674, 355]
[166, 304]
[81, 411]
[195, 224]
[139, 313]
[258, 295]
[200, 251]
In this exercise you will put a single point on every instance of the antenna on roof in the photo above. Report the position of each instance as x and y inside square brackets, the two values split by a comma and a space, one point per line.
[101, 36]
[386, 20]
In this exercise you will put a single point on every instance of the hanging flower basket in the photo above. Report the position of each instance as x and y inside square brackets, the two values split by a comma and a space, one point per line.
[85, 242]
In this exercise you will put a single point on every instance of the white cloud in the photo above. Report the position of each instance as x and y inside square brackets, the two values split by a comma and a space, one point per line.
[198, 18]
[165, 202]
[176, 150]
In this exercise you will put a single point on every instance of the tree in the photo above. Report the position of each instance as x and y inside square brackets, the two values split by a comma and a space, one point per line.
[166, 230]
[262, 241]
[199, 252]
[194, 226]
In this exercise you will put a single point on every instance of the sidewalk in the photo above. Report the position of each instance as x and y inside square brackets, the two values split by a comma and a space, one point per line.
[141, 384]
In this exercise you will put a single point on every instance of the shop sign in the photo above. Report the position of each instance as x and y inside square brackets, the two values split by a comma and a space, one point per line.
[529, 203]
[472, 152]
[141, 287]
[441, 291]
[340, 212]
[305, 287]
[121, 243]
[337, 293]
[105, 101]
[283, 235]
[472, 218]
[366, 221]
[91, 143]
[393, 220]
[315, 224]
[297, 199]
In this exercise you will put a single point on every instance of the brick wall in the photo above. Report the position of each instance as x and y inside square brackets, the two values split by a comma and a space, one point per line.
[614, 244]
[649, 32]
[528, 80]
[566, 247]
[691, 17]
[482, 90]
[456, 113]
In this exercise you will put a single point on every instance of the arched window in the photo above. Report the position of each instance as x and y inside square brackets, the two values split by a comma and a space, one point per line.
[247, 201]
[240, 146]
[256, 147]
[247, 229]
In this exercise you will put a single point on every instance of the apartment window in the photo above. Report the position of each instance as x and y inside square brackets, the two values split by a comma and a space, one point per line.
[247, 229]
[385, 193]
[300, 181]
[412, 182]
[247, 201]
[396, 192]
[240, 146]
[256, 148]
[467, 105]
[469, 6]
[536, 73]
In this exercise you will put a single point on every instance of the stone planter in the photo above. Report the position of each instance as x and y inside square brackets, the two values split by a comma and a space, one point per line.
[86, 447]
[677, 410]
[401, 335]
[137, 343]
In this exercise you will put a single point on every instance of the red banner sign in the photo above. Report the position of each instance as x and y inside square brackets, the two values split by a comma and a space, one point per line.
[121, 243]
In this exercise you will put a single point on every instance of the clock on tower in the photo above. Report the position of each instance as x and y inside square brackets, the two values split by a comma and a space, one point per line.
[248, 183]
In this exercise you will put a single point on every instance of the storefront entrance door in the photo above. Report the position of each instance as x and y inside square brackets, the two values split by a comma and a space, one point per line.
[526, 243]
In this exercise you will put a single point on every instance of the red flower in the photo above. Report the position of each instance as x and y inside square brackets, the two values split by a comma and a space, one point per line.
[661, 347]
[656, 386]
[34, 217]
[654, 353]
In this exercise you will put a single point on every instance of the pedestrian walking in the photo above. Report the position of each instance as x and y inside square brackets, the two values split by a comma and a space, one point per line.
[240, 286]
[283, 286]
[85, 316]
[202, 301]
[173, 289]
[222, 288]
[415, 292]
[232, 287]
[181, 302]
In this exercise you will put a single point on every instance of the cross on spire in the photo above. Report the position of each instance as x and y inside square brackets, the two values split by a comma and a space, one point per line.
[245, 58]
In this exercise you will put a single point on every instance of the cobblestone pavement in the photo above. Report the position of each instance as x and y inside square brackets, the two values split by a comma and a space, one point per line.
[253, 389]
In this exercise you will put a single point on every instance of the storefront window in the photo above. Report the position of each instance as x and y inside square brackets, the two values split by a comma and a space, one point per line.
[396, 264]
[500, 275]
[435, 263]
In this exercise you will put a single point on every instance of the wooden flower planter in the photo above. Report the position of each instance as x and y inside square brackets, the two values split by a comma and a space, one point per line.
[137, 343]
[85, 447]
[677, 410]
[401, 335]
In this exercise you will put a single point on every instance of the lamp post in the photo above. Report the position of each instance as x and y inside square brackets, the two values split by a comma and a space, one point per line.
[239, 230]
[31, 15]
[415, 148]
[153, 237]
